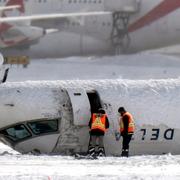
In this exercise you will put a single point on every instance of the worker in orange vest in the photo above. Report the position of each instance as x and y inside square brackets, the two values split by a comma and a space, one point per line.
[127, 128]
[98, 125]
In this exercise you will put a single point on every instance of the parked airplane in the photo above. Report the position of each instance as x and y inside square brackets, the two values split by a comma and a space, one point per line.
[18, 31]
[134, 25]
[17, 34]
[52, 116]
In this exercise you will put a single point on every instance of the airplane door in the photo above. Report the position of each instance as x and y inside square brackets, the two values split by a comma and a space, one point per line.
[80, 106]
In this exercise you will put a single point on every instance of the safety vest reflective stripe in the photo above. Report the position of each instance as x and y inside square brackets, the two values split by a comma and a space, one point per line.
[98, 122]
[131, 125]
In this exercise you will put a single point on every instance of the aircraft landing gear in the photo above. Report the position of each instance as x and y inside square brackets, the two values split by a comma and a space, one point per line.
[119, 35]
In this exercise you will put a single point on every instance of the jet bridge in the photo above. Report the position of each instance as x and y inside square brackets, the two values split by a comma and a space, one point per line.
[122, 10]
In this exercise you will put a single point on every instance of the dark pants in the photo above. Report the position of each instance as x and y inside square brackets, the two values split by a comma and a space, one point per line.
[125, 144]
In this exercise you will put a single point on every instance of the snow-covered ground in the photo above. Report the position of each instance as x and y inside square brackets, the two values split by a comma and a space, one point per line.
[141, 66]
[26, 167]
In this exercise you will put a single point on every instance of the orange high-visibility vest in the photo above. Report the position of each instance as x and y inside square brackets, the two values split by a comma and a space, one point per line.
[131, 125]
[98, 122]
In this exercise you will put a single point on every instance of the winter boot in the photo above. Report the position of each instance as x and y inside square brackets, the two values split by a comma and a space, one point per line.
[91, 151]
[125, 153]
[101, 152]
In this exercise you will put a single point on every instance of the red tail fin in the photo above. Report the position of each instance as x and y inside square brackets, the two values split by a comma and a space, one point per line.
[17, 2]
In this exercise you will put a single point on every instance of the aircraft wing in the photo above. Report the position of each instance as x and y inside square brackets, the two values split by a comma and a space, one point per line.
[51, 16]
[2, 8]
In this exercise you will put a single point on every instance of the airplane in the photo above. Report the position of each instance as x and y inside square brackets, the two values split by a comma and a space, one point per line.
[18, 32]
[51, 117]
[132, 26]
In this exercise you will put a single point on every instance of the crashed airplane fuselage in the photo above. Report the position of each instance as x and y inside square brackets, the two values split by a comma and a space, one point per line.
[52, 116]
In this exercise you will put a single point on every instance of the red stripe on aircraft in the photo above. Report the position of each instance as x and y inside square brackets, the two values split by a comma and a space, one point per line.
[10, 43]
[164, 8]
[17, 2]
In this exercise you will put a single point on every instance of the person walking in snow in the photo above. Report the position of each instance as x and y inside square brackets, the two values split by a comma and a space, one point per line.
[127, 128]
[98, 125]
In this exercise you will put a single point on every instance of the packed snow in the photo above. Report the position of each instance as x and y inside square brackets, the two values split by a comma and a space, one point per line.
[138, 66]
[141, 66]
[30, 167]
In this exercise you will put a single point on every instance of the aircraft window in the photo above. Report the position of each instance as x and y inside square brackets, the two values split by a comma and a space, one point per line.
[41, 127]
[16, 133]
[70, 1]
[74, 1]
[85, 1]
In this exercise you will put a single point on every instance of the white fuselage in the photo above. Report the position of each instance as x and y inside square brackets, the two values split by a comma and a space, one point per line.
[153, 24]
[52, 116]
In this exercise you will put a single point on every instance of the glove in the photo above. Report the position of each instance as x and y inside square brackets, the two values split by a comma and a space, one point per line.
[117, 136]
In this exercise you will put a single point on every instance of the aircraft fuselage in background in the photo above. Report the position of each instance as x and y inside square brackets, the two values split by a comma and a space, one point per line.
[139, 25]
